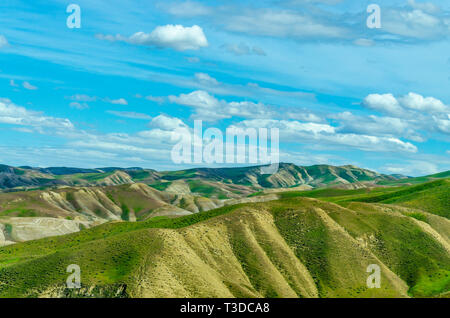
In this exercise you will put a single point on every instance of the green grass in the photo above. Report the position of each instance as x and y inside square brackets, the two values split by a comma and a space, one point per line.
[139, 175]
[20, 212]
[206, 190]
[433, 197]
[125, 212]
[418, 216]
[161, 186]
[91, 177]
[417, 180]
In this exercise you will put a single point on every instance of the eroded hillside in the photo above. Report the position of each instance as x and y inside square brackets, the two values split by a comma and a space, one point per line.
[294, 247]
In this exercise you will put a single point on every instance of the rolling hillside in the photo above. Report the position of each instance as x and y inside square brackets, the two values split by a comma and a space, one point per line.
[293, 247]
[203, 233]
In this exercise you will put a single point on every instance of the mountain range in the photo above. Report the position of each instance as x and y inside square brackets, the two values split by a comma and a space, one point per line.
[288, 175]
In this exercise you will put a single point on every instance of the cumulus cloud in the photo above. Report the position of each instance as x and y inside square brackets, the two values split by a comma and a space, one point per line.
[421, 113]
[20, 116]
[165, 122]
[176, 37]
[375, 125]
[28, 86]
[426, 104]
[411, 116]
[324, 134]
[405, 105]
[209, 108]
[384, 103]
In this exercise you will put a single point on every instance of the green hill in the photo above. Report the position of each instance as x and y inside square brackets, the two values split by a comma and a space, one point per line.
[432, 197]
[293, 247]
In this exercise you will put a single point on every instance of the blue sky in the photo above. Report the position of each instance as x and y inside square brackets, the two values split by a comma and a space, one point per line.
[111, 92]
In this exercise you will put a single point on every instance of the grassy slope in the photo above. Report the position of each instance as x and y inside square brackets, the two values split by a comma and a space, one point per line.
[286, 248]
[432, 197]
[417, 180]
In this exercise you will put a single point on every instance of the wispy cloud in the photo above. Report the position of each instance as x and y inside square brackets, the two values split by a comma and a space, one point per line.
[243, 49]
[78, 105]
[28, 86]
[132, 115]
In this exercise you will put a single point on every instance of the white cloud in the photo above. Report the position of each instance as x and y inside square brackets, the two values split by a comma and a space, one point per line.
[83, 98]
[415, 24]
[120, 101]
[285, 24]
[78, 105]
[188, 9]
[243, 49]
[28, 86]
[156, 99]
[427, 104]
[132, 115]
[17, 115]
[412, 168]
[385, 103]
[324, 134]
[412, 102]
[421, 113]
[3, 41]
[165, 122]
[209, 108]
[13, 84]
[205, 79]
[176, 37]
[375, 125]
[424, 6]
[443, 125]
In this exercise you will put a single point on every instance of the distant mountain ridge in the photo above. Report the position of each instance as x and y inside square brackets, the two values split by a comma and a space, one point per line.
[288, 175]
